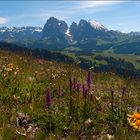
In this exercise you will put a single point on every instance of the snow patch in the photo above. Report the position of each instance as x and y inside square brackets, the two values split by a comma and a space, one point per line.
[38, 30]
[97, 25]
[68, 32]
[2, 31]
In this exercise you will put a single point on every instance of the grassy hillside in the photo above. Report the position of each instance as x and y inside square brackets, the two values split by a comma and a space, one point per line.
[132, 58]
[47, 100]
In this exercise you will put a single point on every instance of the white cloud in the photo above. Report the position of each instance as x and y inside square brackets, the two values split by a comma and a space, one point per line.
[66, 10]
[93, 4]
[3, 20]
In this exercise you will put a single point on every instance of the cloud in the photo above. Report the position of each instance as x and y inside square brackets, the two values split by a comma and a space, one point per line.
[64, 10]
[75, 8]
[3, 20]
[95, 4]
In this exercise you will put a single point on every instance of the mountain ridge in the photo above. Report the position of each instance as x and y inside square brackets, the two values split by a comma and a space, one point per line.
[56, 35]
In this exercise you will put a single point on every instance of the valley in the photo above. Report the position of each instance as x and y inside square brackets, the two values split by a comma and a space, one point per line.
[132, 58]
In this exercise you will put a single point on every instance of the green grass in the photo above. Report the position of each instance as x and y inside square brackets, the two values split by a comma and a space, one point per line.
[23, 84]
[72, 49]
[132, 58]
[128, 57]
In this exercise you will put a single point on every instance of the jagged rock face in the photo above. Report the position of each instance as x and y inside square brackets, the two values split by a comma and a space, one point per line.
[57, 34]
[73, 30]
[85, 30]
[54, 30]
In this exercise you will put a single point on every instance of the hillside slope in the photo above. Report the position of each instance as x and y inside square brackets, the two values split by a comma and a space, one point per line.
[41, 99]
[120, 67]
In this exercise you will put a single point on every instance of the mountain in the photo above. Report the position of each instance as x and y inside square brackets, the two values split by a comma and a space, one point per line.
[134, 33]
[55, 32]
[87, 30]
[20, 33]
[56, 35]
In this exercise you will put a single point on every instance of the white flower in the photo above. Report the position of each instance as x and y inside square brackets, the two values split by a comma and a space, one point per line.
[88, 121]
[31, 79]
[110, 137]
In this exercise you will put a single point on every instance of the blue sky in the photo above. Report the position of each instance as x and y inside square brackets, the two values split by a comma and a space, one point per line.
[117, 15]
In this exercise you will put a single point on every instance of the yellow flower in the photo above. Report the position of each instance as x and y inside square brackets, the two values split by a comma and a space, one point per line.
[137, 115]
[137, 123]
[130, 116]
[134, 120]
[8, 69]
[97, 98]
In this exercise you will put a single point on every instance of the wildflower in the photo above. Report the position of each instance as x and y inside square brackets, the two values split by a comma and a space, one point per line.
[88, 79]
[134, 120]
[88, 121]
[59, 92]
[78, 87]
[123, 93]
[97, 98]
[84, 92]
[8, 69]
[70, 84]
[137, 125]
[30, 79]
[112, 95]
[74, 83]
[48, 98]
[134, 116]
[110, 137]
[137, 115]
[10, 65]
[112, 99]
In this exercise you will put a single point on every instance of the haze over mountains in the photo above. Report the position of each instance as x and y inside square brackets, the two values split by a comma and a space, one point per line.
[84, 36]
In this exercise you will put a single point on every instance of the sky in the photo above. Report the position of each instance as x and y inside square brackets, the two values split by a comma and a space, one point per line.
[123, 16]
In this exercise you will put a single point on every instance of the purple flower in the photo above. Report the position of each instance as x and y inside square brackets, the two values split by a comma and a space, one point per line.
[88, 79]
[78, 86]
[70, 84]
[74, 83]
[84, 91]
[112, 94]
[123, 93]
[112, 99]
[48, 98]
[59, 92]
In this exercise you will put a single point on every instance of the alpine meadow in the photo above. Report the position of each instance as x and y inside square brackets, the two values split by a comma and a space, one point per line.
[69, 70]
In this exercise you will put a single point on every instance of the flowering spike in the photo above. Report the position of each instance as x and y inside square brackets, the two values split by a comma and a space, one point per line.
[48, 98]
[88, 79]
[112, 99]
[59, 92]
[112, 94]
[84, 92]
[78, 87]
[74, 83]
[123, 93]
[70, 84]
